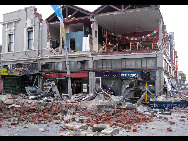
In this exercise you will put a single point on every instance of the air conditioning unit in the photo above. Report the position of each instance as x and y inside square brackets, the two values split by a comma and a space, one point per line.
[29, 22]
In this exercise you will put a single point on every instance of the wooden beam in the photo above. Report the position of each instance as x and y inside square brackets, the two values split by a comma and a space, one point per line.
[101, 9]
[115, 8]
[127, 7]
[52, 17]
[66, 11]
[78, 10]
[137, 45]
[72, 15]
[55, 14]
[122, 8]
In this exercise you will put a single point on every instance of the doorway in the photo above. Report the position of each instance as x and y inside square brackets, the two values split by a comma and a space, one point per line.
[77, 85]
[72, 43]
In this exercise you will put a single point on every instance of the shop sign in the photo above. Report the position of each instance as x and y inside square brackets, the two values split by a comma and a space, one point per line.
[130, 74]
[3, 72]
[167, 104]
[107, 74]
[63, 75]
[13, 73]
[135, 74]
[85, 88]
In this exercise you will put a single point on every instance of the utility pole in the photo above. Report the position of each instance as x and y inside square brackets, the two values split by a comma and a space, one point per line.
[63, 35]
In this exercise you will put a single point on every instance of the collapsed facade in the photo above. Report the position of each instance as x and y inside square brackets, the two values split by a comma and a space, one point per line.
[107, 48]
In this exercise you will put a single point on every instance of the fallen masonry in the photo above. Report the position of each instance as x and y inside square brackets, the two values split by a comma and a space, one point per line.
[77, 118]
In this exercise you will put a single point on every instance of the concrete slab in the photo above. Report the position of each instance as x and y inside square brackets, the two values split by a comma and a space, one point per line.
[110, 131]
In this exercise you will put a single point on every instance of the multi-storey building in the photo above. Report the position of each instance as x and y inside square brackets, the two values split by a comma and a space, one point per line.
[107, 48]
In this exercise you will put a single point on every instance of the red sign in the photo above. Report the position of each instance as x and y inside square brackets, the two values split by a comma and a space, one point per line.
[63, 75]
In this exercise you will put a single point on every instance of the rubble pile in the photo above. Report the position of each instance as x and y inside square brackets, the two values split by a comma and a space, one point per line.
[114, 117]
[35, 112]
[75, 113]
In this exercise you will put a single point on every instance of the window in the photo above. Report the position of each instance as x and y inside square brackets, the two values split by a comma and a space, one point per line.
[143, 62]
[99, 64]
[138, 63]
[116, 64]
[104, 64]
[130, 63]
[109, 64]
[30, 39]
[72, 65]
[10, 42]
[151, 63]
[123, 63]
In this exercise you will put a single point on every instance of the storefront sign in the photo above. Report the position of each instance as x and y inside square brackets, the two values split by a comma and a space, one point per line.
[3, 72]
[84, 87]
[107, 74]
[167, 104]
[13, 73]
[135, 74]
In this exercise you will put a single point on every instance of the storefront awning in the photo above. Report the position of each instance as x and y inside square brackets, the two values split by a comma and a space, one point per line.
[63, 75]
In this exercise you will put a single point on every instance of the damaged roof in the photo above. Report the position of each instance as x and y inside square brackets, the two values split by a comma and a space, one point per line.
[119, 19]
[73, 10]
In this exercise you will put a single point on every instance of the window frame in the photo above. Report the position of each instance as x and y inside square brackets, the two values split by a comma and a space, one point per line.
[30, 29]
[10, 42]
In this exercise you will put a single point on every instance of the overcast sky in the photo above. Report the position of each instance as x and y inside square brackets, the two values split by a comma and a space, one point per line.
[173, 16]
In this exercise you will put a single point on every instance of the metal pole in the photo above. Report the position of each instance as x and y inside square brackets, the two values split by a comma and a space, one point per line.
[68, 72]
[67, 62]
[146, 91]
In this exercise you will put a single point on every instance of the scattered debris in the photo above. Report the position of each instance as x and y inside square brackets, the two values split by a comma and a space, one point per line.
[42, 129]
[110, 131]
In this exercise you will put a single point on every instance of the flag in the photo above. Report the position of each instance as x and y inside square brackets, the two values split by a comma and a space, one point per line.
[57, 10]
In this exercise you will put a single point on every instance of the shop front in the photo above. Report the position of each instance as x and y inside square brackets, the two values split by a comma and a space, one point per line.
[79, 82]
[109, 81]
[133, 78]
[118, 82]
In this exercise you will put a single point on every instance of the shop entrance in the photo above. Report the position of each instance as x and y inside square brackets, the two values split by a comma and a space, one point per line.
[111, 85]
[76, 85]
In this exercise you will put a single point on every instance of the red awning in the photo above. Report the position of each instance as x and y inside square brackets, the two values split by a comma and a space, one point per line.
[63, 75]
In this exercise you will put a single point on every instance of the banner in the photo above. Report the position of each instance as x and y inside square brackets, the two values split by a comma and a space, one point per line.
[57, 10]
[3, 72]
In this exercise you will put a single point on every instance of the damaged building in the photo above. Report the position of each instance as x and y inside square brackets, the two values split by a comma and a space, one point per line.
[107, 48]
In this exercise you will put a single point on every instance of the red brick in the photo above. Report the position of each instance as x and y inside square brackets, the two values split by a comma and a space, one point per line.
[169, 129]
[134, 130]
[183, 116]
[13, 123]
[182, 120]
